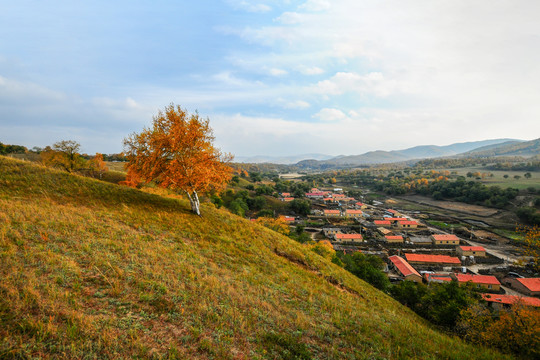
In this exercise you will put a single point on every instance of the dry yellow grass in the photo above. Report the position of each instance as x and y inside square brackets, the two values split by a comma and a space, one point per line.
[95, 270]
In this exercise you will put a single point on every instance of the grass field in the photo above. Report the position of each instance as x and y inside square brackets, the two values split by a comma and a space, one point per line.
[499, 179]
[92, 270]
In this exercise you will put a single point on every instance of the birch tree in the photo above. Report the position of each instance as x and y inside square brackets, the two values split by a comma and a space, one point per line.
[177, 152]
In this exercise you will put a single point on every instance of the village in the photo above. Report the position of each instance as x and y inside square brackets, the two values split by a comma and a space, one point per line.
[412, 249]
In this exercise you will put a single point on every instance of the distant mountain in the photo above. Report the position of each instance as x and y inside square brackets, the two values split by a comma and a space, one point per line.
[292, 159]
[509, 148]
[414, 153]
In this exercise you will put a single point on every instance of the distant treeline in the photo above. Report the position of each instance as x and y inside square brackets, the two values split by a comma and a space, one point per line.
[492, 163]
[528, 166]
[12, 149]
[6, 149]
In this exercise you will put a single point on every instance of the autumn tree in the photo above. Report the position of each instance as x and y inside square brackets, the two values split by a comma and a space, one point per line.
[97, 165]
[178, 153]
[63, 154]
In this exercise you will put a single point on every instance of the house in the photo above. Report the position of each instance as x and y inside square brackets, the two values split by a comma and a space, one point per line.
[393, 212]
[332, 213]
[330, 232]
[287, 199]
[315, 195]
[384, 223]
[405, 269]
[384, 231]
[394, 220]
[353, 213]
[527, 286]
[285, 194]
[446, 239]
[478, 251]
[348, 237]
[433, 260]
[420, 240]
[287, 218]
[437, 278]
[479, 281]
[499, 302]
[407, 224]
[361, 205]
[394, 238]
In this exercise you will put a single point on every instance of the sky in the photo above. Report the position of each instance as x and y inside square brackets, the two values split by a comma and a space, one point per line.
[275, 77]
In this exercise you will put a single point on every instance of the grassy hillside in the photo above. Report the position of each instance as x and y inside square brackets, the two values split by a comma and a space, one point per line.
[94, 270]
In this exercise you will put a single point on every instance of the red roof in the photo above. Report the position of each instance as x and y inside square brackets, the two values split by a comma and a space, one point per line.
[288, 198]
[349, 236]
[285, 194]
[359, 204]
[408, 222]
[348, 211]
[445, 237]
[338, 195]
[392, 211]
[331, 211]
[472, 248]
[382, 222]
[287, 218]
[442, 259]
[403, 266]
[478, 279]
[511, 299]
[394, 237]
[533, 284]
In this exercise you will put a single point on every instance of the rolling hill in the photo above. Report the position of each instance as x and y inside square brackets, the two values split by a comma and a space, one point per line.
[414, 153]
[95, 270]
[510, 148]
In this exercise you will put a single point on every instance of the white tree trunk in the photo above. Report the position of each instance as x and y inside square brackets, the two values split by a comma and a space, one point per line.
[194, 201]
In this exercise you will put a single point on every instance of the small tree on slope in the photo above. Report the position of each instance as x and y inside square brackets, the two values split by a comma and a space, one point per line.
[178, 153]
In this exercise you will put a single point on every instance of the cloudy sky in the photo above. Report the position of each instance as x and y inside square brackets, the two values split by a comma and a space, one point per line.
[278, 77]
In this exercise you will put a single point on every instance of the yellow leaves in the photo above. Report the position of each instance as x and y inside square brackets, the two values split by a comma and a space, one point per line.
[178, 153]
[279, 225]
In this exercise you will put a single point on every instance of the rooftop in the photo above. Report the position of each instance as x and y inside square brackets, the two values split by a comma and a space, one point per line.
[472, 248]
[349, 236]
[445, 237]
[442, 259]
[533, 284]
[478, 279]
[511, 299]
[403, 266]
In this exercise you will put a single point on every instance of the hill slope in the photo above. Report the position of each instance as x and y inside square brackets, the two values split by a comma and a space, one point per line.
[511, 148]
[94, 270]
[414, 153]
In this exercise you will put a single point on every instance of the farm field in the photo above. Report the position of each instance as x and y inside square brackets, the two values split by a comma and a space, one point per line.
[498, 178]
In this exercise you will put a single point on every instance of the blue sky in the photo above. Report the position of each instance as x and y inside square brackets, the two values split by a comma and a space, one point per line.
[274, 77]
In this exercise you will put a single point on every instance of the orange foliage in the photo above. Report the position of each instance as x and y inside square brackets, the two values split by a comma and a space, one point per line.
[178, 153]
[279, 225]
[97, 165]
[515, 330]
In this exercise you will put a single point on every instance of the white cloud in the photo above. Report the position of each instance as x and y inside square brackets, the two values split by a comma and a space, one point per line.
[250, 6]
[328, 114]
[315, 5]
[296, 104]
[290, 18]
[372, 83]
[277, 72]
[313, 70]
